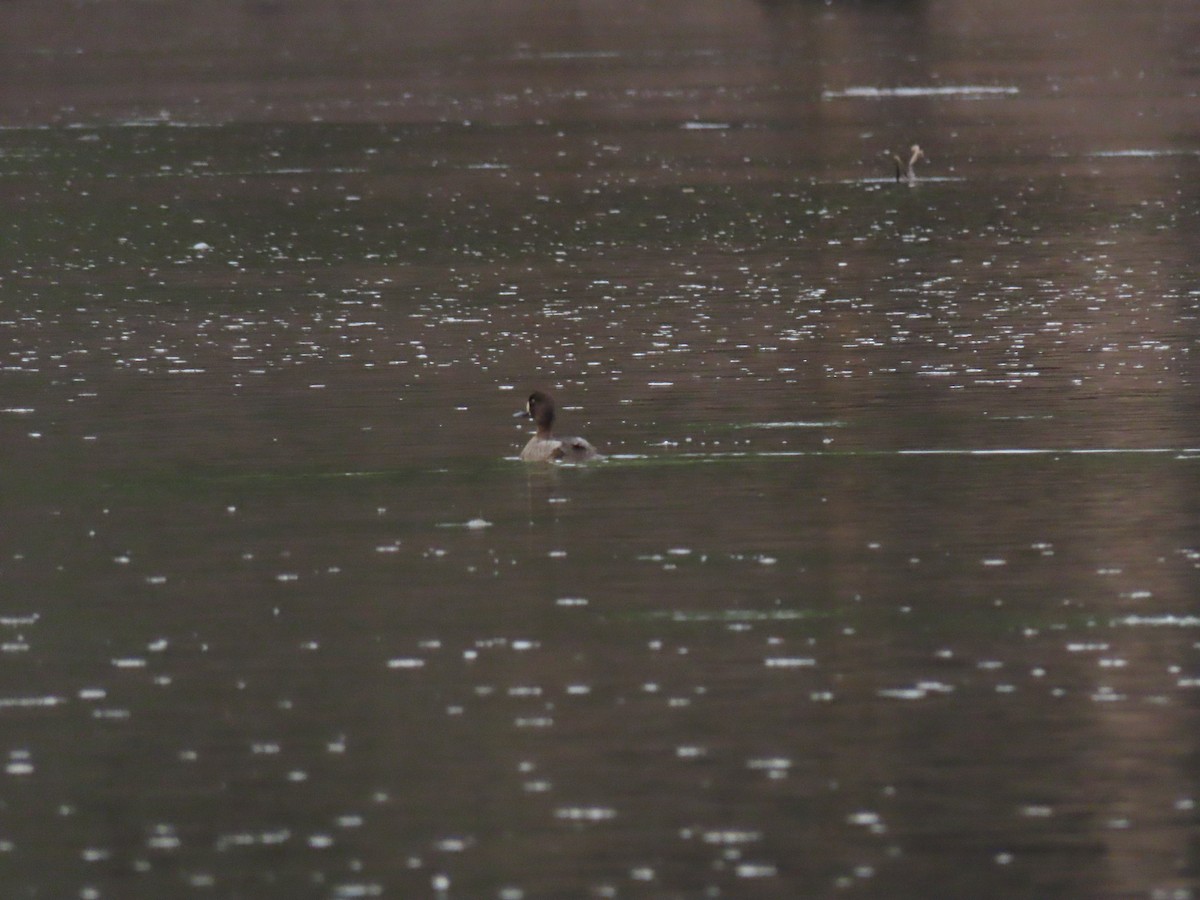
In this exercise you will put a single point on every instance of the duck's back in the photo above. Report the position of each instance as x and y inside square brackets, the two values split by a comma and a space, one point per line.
[573, 449]
[541, 449]
[576, 449]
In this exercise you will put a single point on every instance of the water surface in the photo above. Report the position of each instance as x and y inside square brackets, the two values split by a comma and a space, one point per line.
[887, 587]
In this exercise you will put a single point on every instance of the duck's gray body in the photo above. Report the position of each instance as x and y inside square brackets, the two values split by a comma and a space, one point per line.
[544, 446]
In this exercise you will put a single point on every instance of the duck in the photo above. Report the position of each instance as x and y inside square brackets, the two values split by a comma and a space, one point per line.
[909, 174]
[544, 446]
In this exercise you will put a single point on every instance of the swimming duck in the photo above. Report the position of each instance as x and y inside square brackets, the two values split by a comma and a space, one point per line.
[909, 175]
[544, 446]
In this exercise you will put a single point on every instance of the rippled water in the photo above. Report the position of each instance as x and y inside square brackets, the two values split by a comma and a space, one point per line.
[887, 586]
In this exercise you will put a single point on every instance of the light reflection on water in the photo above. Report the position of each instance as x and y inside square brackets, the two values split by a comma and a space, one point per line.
[886, 587]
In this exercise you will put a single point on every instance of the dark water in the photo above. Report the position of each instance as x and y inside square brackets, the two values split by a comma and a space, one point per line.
[888, 586]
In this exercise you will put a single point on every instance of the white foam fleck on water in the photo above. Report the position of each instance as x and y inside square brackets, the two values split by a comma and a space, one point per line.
[111, 714]
[903, 693]
[919, 691]
[1167, 620]
[790, 425]
[164, 838]
[406, 663]
[729, 836]
[756, 870]
[1143, 154]
[777, 764]
[865, 819]
[969, 91]
[585, 813]
[357, 891]
[534, 722]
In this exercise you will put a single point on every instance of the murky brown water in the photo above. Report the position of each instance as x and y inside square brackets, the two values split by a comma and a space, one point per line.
[888, 587]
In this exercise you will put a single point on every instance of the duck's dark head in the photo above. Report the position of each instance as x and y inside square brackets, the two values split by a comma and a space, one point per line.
[540, 408]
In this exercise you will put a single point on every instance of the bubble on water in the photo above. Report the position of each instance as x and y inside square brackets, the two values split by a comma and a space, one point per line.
[585, 813]
[864, 818]
[20, 762]
[407, 662]
[789, 662]
[1167, 620]
[357, 891]
[775, 767]
[164, 838]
